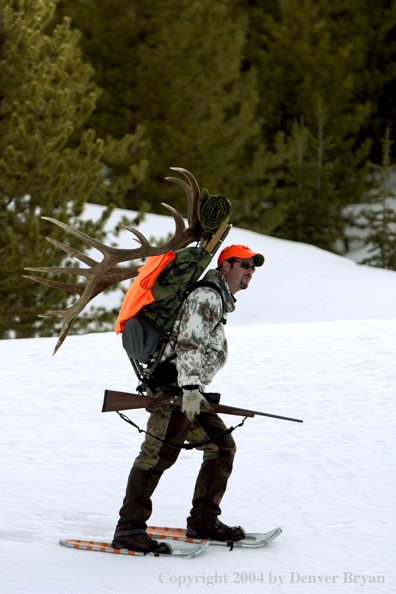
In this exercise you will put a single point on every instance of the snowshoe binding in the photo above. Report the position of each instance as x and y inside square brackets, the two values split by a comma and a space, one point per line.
[138, 540]
[218, 531]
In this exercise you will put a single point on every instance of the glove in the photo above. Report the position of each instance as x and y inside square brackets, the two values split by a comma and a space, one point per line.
[193, 399]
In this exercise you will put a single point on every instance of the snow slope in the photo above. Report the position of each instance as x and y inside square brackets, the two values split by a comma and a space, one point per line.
[312, 338]
[299, 282]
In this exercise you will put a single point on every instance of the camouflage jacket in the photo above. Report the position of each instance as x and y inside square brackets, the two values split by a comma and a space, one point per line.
[198, 338]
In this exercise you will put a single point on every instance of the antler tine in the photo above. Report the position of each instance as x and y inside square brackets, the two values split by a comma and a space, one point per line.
[141, 238]
[67, 324]
[189, 176]
[66, 286]
[85, 238]
[192, 192]
[181, 183]
[66, 248]
[179, 221]
[87, 272]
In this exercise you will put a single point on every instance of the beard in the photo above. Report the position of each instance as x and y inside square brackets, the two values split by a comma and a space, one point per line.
[244, 284]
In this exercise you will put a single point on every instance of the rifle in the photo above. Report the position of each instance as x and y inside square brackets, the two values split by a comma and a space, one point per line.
[115, 401]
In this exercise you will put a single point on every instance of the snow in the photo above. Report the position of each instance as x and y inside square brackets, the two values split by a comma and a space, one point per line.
[312, 338]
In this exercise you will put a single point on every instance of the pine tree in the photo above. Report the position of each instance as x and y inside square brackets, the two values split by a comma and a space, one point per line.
[308, 197]
[311, 49]
[380, 219]
[48, 165]
[175, 68]
[376, 81]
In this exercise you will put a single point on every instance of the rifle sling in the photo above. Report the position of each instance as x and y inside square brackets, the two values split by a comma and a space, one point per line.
[184, 446]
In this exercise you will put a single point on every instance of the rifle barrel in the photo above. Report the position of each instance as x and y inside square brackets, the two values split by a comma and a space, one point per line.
[277, 417]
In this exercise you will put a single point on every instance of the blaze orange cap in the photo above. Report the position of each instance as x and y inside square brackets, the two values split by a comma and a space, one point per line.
[240, 251]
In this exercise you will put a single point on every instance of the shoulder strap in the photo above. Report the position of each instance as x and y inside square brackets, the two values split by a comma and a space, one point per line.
[206, 283]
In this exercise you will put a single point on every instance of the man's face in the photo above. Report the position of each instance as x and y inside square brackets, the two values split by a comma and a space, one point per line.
[238, 274]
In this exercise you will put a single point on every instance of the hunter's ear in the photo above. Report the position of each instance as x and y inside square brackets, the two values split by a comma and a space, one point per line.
[226, 265]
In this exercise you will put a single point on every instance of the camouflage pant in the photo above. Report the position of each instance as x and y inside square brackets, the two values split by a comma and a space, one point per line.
[155, 457]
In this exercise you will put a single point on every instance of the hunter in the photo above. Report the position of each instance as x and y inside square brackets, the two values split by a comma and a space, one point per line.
[198, 340]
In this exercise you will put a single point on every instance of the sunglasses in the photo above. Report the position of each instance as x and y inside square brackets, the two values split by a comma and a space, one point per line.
[245, 265]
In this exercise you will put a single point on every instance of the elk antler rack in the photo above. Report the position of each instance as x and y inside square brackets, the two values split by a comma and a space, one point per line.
[104, 274]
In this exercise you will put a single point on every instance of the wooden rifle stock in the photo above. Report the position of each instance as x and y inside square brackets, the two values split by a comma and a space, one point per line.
[114, 401]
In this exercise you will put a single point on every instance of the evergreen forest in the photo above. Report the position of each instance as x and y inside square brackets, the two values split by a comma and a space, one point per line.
[287, 107]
